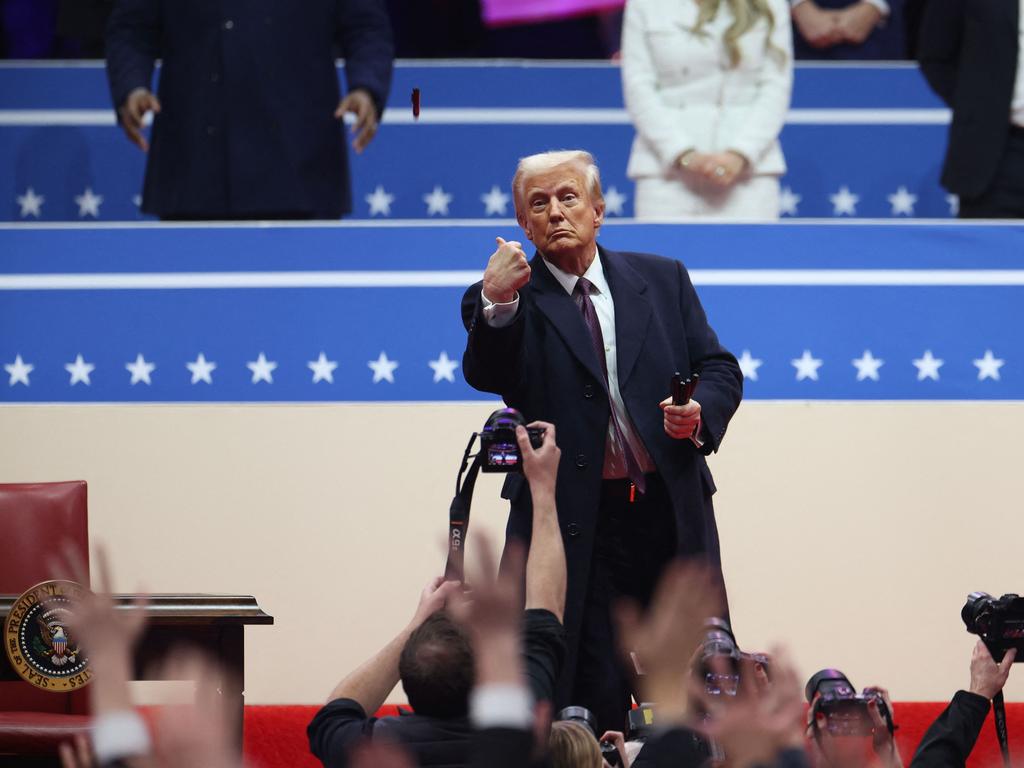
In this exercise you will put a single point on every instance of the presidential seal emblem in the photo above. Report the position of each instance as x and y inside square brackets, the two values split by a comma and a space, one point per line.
[38, 641]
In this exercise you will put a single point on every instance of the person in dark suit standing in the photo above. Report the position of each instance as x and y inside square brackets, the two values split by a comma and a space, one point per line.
[848, 30]
[588, 338]
[969, 51]
[248, 112]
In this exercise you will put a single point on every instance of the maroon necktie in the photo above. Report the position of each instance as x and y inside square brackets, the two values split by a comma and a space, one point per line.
[581, 295]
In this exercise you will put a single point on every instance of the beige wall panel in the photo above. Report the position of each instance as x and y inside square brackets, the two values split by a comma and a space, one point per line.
[851, 531]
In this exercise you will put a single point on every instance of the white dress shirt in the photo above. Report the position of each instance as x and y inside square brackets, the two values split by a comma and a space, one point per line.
[1017, 104]
[500, 315]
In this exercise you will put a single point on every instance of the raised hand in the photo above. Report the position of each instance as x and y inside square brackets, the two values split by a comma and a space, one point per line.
[507, 271]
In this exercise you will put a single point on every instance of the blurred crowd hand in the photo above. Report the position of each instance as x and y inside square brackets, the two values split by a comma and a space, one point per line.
[201, 732]
[662, 640]
[823, 28]
[987, 676]
[720, 168]
[763, 719]
[133, 111]
[883, 740]
[359, 103]
[107, 633]
[492, 613]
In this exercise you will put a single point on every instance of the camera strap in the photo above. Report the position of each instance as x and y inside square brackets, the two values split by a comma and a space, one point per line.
[999, 710]
[458, 513]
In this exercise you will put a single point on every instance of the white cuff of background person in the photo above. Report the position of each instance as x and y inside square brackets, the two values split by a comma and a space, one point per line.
[501, 705]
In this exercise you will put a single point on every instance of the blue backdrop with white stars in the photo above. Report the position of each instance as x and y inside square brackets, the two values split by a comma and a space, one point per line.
[359, 312]
[861, 141]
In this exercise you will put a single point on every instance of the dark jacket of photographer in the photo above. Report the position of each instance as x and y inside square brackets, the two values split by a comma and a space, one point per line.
[949, 740]
[544, 365]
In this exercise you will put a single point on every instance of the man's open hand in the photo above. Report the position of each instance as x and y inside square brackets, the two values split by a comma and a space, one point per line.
[359, 103]
[507, 271]
[133, 112]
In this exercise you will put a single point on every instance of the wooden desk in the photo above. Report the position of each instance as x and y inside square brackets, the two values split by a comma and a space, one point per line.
[214, 624]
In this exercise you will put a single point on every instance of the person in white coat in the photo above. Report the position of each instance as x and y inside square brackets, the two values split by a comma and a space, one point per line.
[707, 84]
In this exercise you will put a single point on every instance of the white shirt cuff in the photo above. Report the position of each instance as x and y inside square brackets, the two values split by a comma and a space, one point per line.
[501, 705]
[881, 5]
[795, 3]
[500, 315]
[116, 735]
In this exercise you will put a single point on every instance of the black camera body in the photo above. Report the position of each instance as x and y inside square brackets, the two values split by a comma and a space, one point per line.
[999, 622]
[498, 444]
[831, 693]
[583, 716]
[719, 641]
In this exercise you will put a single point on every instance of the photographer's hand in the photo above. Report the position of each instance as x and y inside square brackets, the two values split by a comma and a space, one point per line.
[545, 567]
[988, 677]
[883, 741]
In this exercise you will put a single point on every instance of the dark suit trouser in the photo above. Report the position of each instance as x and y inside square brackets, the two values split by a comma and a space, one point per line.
[1004, 198]
[634, 542]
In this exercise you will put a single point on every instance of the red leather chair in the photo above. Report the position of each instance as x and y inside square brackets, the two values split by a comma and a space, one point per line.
[35, 520]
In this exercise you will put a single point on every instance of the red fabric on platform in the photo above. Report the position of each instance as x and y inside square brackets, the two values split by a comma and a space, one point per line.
[275, 736]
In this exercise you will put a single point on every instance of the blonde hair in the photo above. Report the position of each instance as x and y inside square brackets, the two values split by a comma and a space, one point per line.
[545, 161]
[745, 14]
[572, 745]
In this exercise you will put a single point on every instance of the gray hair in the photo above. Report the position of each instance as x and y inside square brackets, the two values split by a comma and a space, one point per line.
[545, 161]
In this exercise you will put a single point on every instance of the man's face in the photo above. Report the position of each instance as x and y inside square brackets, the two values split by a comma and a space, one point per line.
[558, 214]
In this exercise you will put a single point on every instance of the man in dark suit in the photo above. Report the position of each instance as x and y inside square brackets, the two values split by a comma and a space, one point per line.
[247, 117]
[588, 338]
[969, 51]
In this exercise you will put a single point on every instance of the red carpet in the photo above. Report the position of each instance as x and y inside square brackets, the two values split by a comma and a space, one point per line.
[275, 737]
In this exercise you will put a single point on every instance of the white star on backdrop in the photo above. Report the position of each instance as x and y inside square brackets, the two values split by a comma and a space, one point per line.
[902, 202]
[140, 370]
[380, 202]
[495, 202]
[437, 202]
[867, 366]
[19, 371]
[953, 201]
[201, 369]
[788, 202]
[988, 366]
[31, 203]
[79, 371]
[614, 201]
[806, 366]
[444, 368]
[928, 366]
[383, 369]
[749, 365]
[844, 202]
[262, 369]
[88, 203]
[322, 368]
